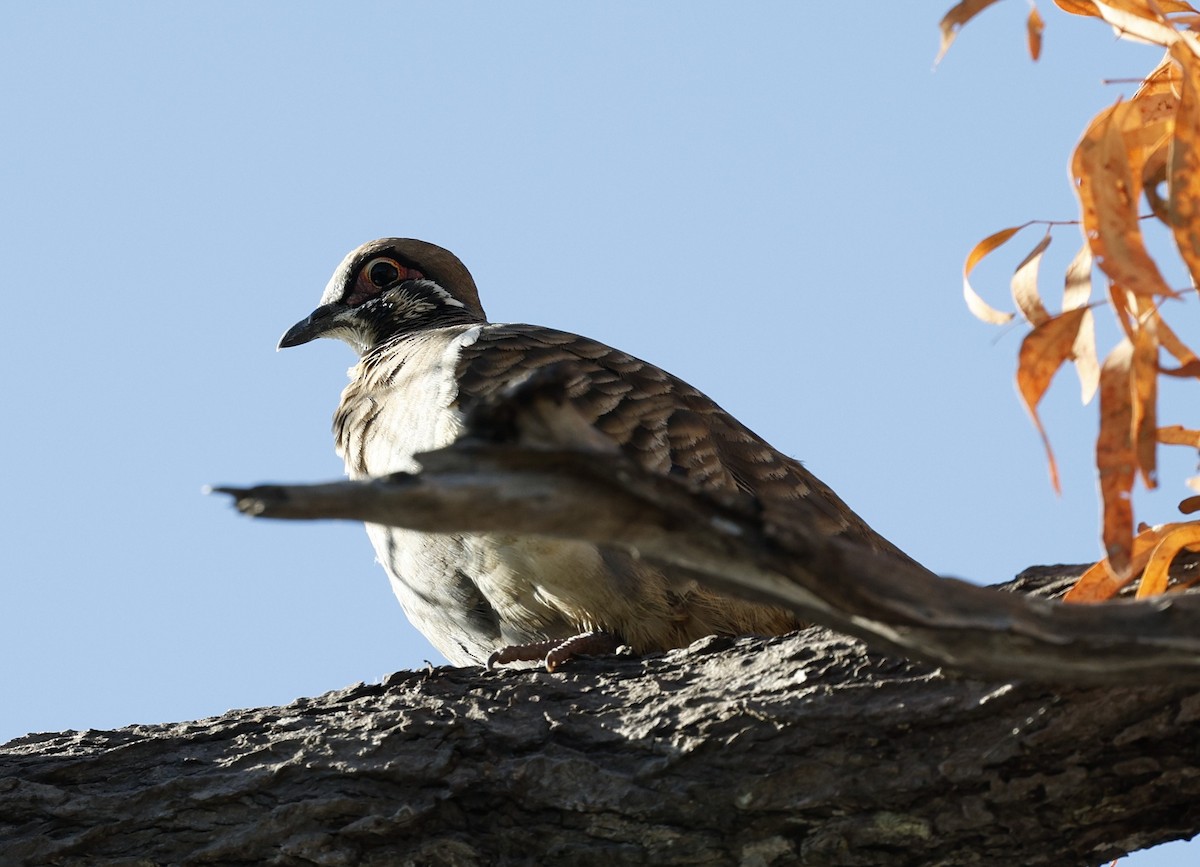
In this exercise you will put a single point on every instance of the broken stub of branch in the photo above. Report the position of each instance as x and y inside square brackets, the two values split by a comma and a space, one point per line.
[526, 485]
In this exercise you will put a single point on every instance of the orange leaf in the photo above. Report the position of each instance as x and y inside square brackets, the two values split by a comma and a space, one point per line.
[1178, 435]
[1191, 370]
[1184, 164]
[1158, 95]
[953, 21]
[1099, 583]
[1157, 574]
[1077, 289]
[1078, 7]
[975, 303]
[1095, 585]
[1109, 189]
[1083, 352]
[1115, 458]
[1024, 285]
[1123, 304]
[1144, 379]
[1141, 21]
[1189, 363]
[1034, 25]
[1043, 352]
[1078, 286]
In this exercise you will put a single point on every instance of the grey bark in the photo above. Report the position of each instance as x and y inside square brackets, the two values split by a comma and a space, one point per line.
[1079, 743]
[802, 749]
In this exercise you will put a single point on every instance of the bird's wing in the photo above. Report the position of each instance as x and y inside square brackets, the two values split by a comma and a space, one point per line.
[659, 421]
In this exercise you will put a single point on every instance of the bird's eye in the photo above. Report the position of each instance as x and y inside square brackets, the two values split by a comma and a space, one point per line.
[382, 272]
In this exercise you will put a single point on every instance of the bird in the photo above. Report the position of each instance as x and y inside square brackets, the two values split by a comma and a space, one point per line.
[427, 355]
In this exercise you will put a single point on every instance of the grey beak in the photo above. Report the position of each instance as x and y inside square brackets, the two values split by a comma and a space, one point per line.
[315, 325]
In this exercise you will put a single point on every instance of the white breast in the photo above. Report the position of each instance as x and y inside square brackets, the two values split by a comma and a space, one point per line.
[468, 593]
[401, 404]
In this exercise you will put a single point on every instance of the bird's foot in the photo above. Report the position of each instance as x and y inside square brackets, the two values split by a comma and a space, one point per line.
[557, 651]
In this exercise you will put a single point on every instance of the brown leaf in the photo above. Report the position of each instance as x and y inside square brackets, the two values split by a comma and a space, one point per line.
[1157, 573]
[1143, 20]
[1115, 458]
[953, 21]
[1123, 304]
[1024, 285]
[1083, 353]
[1154, 176]
[1191, 370]
[1077, 288]
[1043, 352]
[975, 303]
[1184, 164]
[1178, 435]
[1087, 7]
[1189, 363]
[1158, 95]
[1078, 7]
[1034, 25]
[1144, 375]
[1099, 582]
[1190, 506]
[1109, 188]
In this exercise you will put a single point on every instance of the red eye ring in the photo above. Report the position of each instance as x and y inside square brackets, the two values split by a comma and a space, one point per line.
[378, 275]
[383, 272]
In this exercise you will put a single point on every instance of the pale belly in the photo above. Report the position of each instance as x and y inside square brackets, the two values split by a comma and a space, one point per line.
[469, 594]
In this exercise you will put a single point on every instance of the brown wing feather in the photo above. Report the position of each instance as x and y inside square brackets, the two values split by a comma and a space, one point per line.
[661, 422]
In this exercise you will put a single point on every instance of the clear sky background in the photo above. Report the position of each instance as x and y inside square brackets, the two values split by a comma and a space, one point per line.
[771, 200]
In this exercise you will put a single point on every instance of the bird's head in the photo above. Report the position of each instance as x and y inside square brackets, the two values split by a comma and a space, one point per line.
[388, 287]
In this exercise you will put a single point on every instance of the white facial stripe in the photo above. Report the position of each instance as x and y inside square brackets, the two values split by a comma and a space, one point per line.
[441, 293]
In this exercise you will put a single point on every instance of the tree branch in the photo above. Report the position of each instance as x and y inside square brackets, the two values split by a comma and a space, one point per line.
[799, 749]
[895, 607]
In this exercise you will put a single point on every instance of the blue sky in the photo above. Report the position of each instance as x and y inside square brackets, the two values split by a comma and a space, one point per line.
[772, 201]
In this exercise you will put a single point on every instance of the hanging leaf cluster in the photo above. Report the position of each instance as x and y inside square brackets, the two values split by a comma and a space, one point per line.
[1140, 154]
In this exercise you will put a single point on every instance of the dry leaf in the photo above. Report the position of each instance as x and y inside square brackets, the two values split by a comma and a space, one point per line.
[1109, 189]
[1024, 285]
[980, 308]
[1099, 582]
[1178, 435]
[1192, 504]
[1077, 288]
[1087, 7]
[1078, 7]
[1077, 291]
[1157, 573]
[953, 21]
[1144, 379]
[1141, 21]
[1158, 95]
[1115, 458]
[1034, 25]
[1189, 363]
[1184, 164]
[1191, 370]
[1043, 352]
[1083, 353]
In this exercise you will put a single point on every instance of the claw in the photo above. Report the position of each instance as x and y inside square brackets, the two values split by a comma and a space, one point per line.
[555, 652]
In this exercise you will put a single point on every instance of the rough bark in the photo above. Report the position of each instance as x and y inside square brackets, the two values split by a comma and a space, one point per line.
[802, 749]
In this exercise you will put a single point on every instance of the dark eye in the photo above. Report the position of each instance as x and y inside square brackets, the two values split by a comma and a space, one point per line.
[382, 272]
